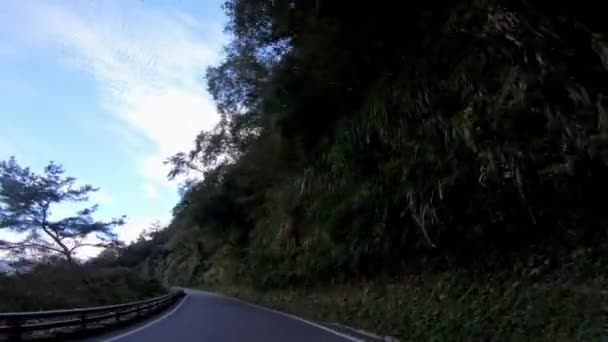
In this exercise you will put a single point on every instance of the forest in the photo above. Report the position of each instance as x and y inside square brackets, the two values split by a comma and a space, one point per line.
[432, 170]
[394, 138]
[404, 148]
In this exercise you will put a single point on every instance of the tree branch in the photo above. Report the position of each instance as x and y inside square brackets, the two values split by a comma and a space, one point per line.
[17, 245]
[64, 249]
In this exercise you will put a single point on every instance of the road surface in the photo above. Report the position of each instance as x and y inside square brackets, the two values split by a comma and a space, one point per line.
[208, 317]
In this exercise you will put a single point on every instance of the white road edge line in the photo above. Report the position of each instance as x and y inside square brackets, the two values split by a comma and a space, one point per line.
[131, 332]
[359, 331]
[348, 337]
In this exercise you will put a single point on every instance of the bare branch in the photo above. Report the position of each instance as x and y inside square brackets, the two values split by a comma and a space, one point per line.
[14, 246]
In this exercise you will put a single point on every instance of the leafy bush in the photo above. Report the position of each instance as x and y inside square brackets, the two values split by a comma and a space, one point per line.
[66, 286]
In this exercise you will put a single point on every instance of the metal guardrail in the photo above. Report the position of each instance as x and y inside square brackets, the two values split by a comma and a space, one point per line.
[15, 324]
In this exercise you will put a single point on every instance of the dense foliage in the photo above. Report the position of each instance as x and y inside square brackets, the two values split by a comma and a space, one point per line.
[458, 149]
[39, 268]
[448, 306]
[62, 285]
[358, 139]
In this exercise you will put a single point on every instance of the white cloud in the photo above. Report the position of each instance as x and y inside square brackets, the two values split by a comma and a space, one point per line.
[149, 66]
[127, 233]
[130, 231]
[150, 191]
[152, 168]
[101, 197]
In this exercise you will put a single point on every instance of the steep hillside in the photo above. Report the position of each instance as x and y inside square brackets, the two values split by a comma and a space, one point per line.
[462, 139]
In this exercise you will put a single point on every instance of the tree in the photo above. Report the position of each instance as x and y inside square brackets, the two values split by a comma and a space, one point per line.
[26, 200]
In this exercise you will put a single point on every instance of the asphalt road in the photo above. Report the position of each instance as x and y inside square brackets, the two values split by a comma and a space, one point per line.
[208, 317]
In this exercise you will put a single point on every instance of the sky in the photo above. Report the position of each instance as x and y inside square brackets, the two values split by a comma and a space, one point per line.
[108, 89]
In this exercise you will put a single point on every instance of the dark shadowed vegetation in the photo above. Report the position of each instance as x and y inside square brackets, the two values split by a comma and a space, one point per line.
[389, 139]
[62, 285]
[38, 251]
[433, 169]
[453, 154]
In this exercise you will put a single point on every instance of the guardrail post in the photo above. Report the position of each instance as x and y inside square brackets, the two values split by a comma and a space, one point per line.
[15, 324]
[16, 327]
[83, 320]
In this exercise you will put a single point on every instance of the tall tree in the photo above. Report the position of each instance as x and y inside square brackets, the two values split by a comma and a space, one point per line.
[26, 200]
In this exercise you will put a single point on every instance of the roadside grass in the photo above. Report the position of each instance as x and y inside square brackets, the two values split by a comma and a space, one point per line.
[450, 306]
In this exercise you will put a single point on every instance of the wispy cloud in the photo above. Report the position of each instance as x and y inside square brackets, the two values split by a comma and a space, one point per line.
[101, 197]
[128, 233]
[149, 66]
[150, 191]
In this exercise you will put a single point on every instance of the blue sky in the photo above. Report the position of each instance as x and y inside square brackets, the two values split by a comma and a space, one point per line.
[108, 89]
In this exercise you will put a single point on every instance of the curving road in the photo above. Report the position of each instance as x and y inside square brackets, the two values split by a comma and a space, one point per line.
[208, 317]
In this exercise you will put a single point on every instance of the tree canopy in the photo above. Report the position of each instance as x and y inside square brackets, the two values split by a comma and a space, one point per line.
[435, 168]
[27, 200]
[353, 135]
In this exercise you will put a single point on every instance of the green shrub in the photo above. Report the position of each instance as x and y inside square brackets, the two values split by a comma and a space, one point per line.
[451, 306]
[65, 286]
